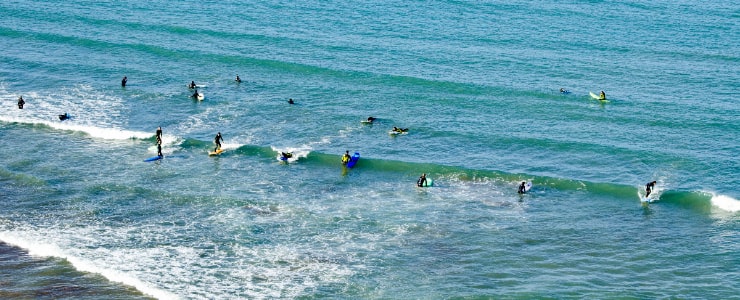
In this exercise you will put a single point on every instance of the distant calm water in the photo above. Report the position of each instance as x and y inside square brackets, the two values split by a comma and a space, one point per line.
[82, 216]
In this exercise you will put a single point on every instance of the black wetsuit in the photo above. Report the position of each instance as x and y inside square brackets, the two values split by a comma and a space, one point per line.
[522, 188]
[422, 181]
[649, 188]
[123, 81]
[159, 150]
[159, 136]
[218, 141]
[21, 103]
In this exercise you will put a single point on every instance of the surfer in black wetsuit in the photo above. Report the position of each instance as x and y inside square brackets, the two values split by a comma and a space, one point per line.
[422, 181]
[21, 102]
[195, 95]
[285, 156]
[238, 80]
[218, 141]
[522, 188]
[370, 119]
[290, 101]
[159, 135]
[123, 81]
[63, 117]
[191, 85]
[649, 188]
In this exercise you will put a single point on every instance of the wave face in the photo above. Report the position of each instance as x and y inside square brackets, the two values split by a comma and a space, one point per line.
[477, 85]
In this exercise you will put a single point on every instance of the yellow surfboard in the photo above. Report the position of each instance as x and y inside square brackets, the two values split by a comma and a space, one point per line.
[217, 152]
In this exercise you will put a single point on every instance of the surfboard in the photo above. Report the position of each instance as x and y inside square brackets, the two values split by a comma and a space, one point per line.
[201, 96]
[153, 158]
[393, 132]
[197, 86]
[217, 152]
[283, 158]
[353, 160]
[527, 186]
[366, 122]
[596, 96]
[429, 182]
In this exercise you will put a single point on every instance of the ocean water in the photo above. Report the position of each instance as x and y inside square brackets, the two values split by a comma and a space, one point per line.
[82, 216]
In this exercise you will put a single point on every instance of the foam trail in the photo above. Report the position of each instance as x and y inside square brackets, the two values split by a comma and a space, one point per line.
[49, 250]
[726, 203]
[97, 132]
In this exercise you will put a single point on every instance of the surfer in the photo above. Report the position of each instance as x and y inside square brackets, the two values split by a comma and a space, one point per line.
[123, 81]
[238, 80]
[370, 119]
[564, 91]
[602, 96]
[195, 95]
[159, 135]
[218, 141]
[21, 102]
[290, 101]
[400, 130]
[285, 156]
[63, 117]
[522, 188]
[346, 157]
[422, 181]
[191, 85]
[649, 188]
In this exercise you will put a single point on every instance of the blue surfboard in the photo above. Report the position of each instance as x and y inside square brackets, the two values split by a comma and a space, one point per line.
[353, 160]
[153, 158]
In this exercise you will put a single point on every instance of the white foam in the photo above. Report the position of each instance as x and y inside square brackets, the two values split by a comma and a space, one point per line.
[50, 250]
[725, 203]
[298, 152]
[92, 112]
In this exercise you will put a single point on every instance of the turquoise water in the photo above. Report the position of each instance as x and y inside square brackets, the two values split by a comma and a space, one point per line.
[477, 83]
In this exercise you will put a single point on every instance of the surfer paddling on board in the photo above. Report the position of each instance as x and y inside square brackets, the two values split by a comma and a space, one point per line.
[371, 119]
[422, 181]
[123, 81]
[522, 188]
[21, 102]
[649, 188]
[346, 157]
[602, 96]
[218, 141]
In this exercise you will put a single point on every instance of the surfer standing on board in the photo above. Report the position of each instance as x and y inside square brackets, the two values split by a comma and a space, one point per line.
[218, 141]
[159, 135]
[649, 188]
